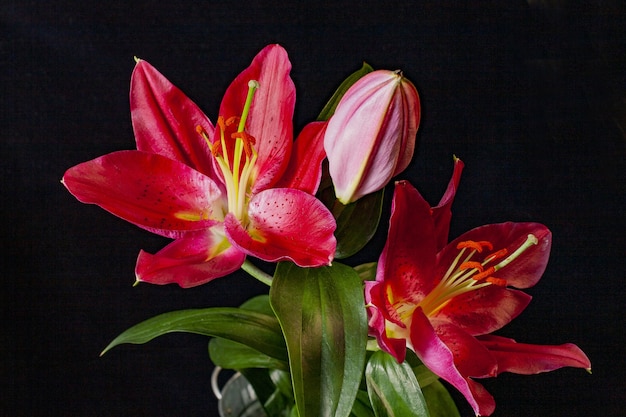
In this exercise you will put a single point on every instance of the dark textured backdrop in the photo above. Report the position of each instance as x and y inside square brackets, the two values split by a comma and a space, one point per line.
[529, 94]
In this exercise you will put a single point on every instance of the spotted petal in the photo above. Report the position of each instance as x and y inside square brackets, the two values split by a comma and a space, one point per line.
[285, 224]
[270, 118]
[407, 262]
[156, 193]
[194, 259]
[165, 119]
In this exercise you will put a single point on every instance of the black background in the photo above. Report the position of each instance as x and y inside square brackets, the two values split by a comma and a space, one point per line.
[531, 95]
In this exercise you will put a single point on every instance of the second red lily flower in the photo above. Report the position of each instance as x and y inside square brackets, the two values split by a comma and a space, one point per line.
[443, 300]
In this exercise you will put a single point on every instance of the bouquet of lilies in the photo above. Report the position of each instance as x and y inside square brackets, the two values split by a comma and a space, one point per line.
[329, 339]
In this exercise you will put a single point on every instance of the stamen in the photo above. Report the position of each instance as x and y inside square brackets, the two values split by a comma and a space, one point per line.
[484, 274]
[471, 265]
[496, 281]
[477, 246]
[232, 120]
[247, 140]
[496, 255]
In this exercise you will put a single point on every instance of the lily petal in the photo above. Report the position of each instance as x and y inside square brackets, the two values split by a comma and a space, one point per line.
[194, 259]
[407, 262]
[270, 118]
[485, 310]
[285, 224]
[304, 171]
[527, 269]
[434, 353]
[471, 358]
[153, 192]
[442, 213]
[165, 119]
[375, 297]
[522, 358]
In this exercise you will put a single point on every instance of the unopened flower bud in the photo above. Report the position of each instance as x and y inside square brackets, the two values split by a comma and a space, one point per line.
[371, 136]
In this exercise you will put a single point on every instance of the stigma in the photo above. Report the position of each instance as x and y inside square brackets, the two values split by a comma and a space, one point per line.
[233, 149]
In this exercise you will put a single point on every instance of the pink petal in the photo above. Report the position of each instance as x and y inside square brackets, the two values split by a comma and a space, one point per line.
[376, 301]
[156, 193]
[285, 224]
[523, 272]
[526, 359]
[305, 164]
[407, 262]
[442, 212]
[192, 260]
[270, 119]
[471, 358]
[438, 357]
[165, 119]
[485, 310]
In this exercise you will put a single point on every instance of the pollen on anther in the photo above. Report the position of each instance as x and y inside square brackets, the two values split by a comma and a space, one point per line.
[476, 245]
[232, 120]
[496, 255]
[496, 281]
[471, 265]
[484, 274]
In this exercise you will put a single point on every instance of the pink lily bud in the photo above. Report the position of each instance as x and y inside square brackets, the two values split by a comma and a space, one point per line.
[371, 136]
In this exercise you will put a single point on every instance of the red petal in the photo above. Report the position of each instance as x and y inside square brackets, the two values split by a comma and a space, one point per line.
[485, 310]
[377, 306]
[285, 224]
[442, 212]
[270, 119]
[165, 119]
[156, 193]
[305, 164]
[192, 260]
[438, 357]
[523, 272]
[407, 262]
[471, 358]
[526, 359]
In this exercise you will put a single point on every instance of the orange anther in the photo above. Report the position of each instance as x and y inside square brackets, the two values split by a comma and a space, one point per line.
[232, 120]
[247, 140]
[496, 281]
[220, 123]
[476, 245]
[484, 274]
[496, 255]
[471, 265]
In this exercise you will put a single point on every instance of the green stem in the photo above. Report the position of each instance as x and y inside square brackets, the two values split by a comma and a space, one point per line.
[253, 270]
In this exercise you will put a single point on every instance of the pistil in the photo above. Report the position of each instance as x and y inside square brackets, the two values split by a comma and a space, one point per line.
[237, 178]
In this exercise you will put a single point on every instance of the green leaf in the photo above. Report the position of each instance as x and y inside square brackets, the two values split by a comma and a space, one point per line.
[257, 330]
[367, 271]
[331, 105]
[439, 400]
[356, 223]
[234, 355]
[393, 388]
[362, 406]
[322, 314]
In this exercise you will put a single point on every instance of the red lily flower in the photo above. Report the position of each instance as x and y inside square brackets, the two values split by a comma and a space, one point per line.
[222, 192]
[442, 302]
